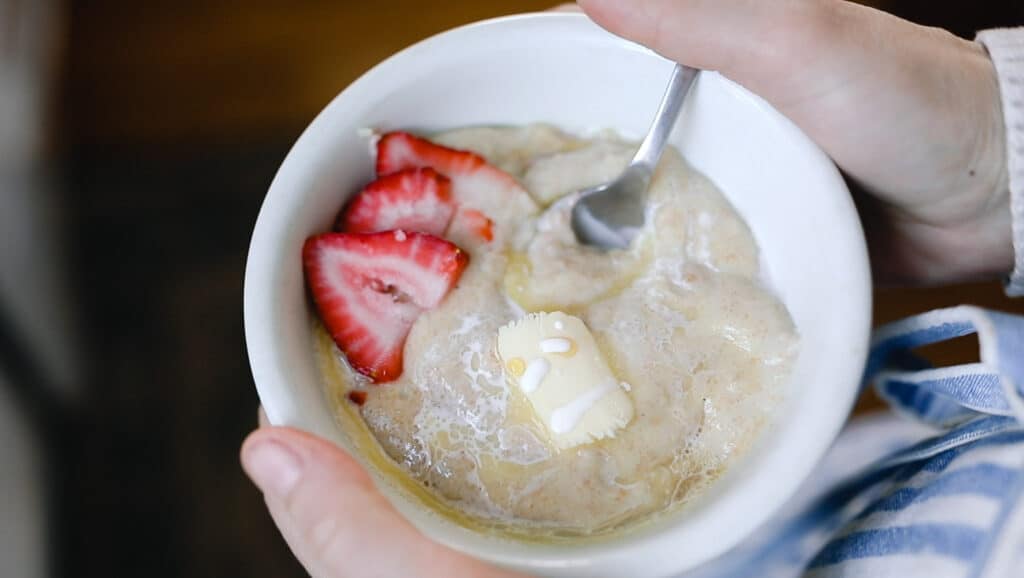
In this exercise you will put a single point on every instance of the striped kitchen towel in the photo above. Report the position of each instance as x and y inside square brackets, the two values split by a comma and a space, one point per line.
[934, 489]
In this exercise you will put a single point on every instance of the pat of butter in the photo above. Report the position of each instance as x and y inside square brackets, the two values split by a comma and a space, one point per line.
[555, 362]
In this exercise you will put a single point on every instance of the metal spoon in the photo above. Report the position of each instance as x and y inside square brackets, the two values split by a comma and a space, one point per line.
[609, 216]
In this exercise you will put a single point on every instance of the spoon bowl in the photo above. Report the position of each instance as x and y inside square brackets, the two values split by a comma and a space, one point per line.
[609, 216]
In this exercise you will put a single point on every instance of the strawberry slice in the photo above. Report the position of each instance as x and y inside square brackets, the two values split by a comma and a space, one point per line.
[475, 183]
[371, 287]
[415, 199]
[400, 150]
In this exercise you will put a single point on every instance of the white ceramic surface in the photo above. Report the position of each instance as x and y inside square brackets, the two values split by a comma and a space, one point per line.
[562, 69]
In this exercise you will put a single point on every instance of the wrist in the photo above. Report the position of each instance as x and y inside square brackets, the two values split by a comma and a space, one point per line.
[962, 231]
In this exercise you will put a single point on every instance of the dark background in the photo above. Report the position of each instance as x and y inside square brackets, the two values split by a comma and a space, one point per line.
[169, 121]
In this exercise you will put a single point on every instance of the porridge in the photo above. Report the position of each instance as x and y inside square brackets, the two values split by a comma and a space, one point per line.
[525, 381]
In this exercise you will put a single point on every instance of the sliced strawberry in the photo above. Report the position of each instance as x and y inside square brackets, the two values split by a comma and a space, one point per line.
[475, 183]
[400, 150]
[476, 222]
[417, 199]
[371, 287]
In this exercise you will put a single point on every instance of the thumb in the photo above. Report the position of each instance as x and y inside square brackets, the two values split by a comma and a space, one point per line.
[773, 47]
[335, 520]
[718, 35]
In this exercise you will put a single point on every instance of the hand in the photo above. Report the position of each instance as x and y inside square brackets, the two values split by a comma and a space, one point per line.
[334, 519]
[911, 114]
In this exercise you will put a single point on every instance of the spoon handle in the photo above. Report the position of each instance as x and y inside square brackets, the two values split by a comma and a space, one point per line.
[649, 153]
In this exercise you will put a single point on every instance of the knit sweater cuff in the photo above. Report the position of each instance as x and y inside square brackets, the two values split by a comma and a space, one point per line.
[1006, 47]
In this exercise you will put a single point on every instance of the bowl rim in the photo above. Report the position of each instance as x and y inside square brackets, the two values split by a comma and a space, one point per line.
[270, 376]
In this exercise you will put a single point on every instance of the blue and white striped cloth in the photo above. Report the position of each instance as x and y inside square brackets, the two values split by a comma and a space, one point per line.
[933, 489]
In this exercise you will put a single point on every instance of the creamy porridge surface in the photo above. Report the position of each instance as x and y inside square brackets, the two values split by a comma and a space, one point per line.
[683, 318]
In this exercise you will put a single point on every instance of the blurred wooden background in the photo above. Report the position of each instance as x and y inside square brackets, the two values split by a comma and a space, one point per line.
[171, 119]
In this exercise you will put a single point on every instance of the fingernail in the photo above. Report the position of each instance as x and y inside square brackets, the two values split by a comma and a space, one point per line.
[273, 466]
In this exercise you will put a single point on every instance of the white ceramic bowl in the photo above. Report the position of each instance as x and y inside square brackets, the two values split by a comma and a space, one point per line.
[564, 70]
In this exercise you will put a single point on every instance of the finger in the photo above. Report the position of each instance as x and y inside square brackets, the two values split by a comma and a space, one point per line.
[567, 7]
[787, 51]
[725, 35]
[333, 517]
